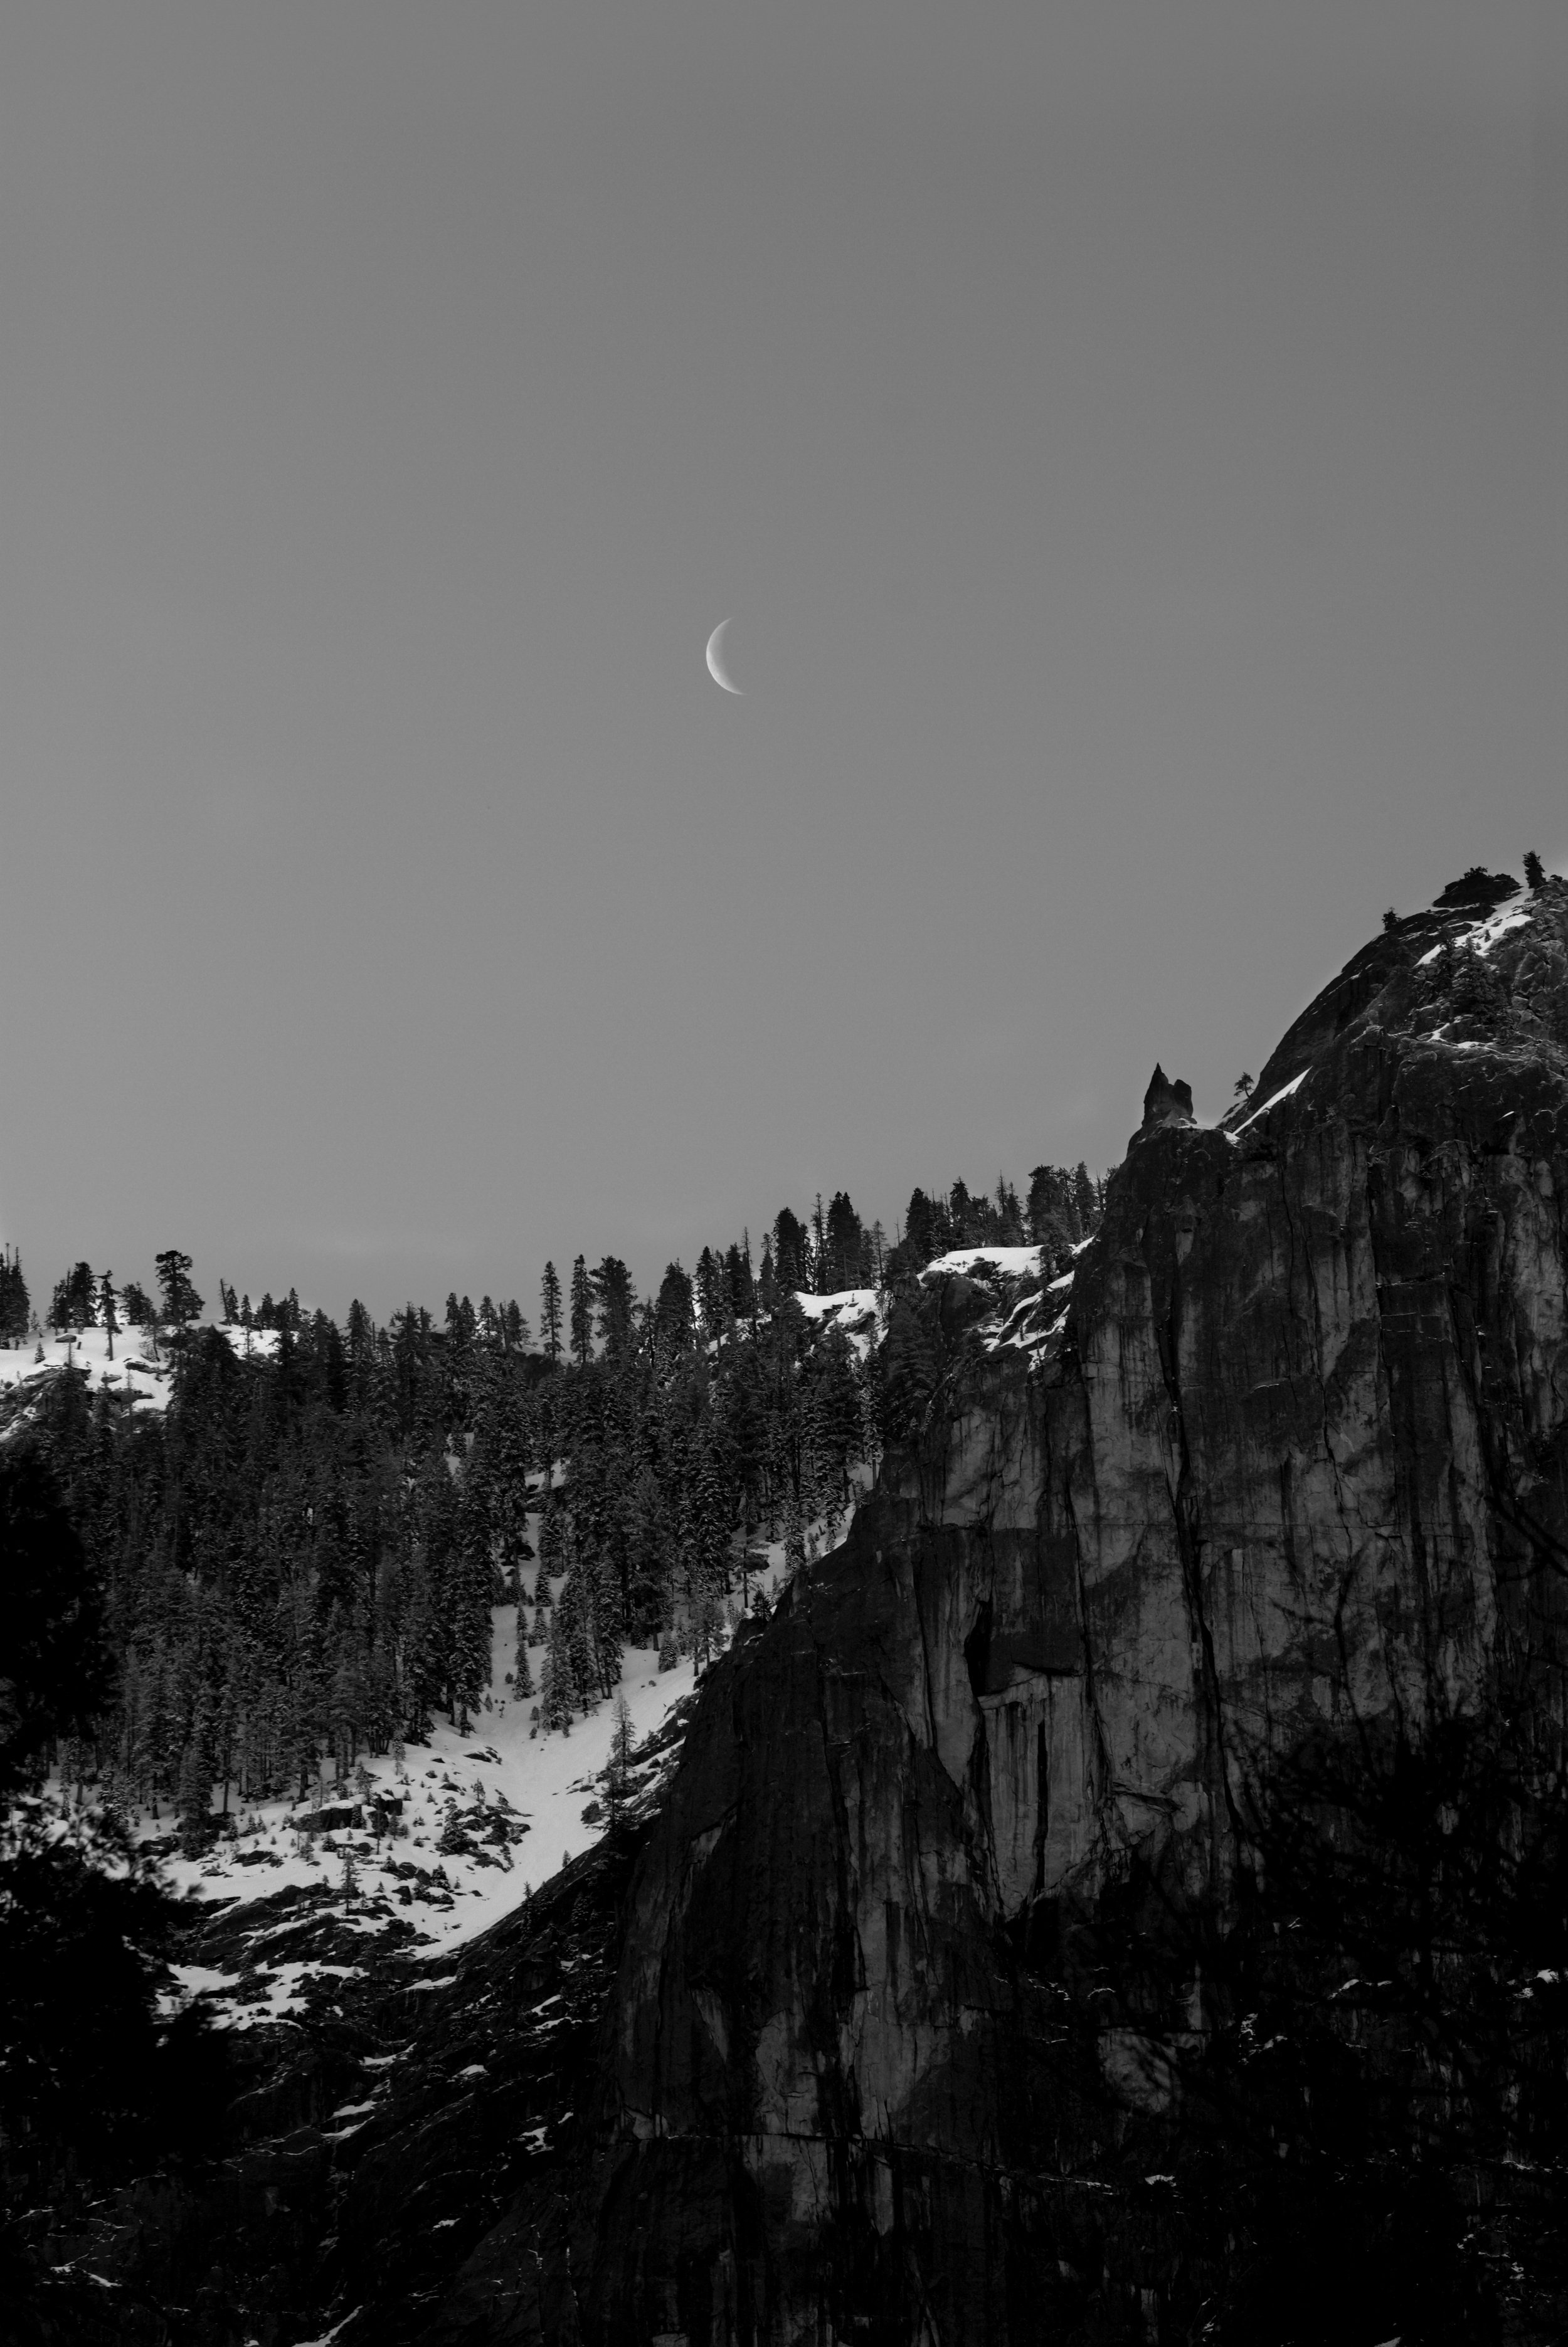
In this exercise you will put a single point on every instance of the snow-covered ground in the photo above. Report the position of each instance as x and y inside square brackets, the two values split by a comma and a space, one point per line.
[520, 1794]
[524, 1802]
[528, 1803]
[1284, 1093]
[854, 1311]
[132, 1372]
[1481, 935]
[505, 1765]
[136, 1369]
[1013, 1263]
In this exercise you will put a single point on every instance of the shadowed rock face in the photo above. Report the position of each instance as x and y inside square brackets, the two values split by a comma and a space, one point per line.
[1295, 1460]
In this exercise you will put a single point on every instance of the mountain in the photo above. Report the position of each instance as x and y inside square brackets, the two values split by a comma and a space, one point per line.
[1121, 1893]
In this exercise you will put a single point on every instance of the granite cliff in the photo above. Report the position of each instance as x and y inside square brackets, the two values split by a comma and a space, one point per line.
[1285, 1455]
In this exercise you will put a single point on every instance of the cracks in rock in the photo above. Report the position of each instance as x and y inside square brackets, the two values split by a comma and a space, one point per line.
[1317, 1339]
[1189, 1539]
[927, 1694]
[848, 1972]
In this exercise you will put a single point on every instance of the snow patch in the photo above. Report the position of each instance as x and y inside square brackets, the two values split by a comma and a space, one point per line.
[1273, 1101]
[138, 1380]
[854, 1311]
[1012, 1263]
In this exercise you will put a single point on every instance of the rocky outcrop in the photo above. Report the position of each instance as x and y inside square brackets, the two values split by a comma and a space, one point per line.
[1166, 1103]
[1292, 1459]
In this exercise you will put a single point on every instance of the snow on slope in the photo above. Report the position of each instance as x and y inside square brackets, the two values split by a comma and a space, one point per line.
[506, 1775]
[854, 1311]
[1481, 935]
[132, 1372]
[1013, 1263]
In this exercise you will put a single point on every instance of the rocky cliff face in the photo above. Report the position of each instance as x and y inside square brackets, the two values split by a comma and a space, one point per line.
[1286, 1454]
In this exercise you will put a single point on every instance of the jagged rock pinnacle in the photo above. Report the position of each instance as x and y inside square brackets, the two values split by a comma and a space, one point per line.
[1166, 1101]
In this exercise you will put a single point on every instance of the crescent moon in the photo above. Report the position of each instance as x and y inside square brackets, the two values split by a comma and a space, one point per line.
[716, 659]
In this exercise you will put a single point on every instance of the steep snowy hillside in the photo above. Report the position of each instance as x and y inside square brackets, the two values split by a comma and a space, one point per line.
[452, 1835]
[426, 1849]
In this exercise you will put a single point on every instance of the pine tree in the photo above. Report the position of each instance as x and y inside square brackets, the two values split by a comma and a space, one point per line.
[618, 1771]
[1088, 1199]
[845, 1245]
[195, 1798]
[556, 1680]
[615, 1296]
[791, 1250]
[107, 1303]
[181, 1303]
[72, 1306]
[1534, 872]
[672, 1312]
[920, 1230]
[15, 1305]
[581, 1307]
[742, 1294]
[549, 1313]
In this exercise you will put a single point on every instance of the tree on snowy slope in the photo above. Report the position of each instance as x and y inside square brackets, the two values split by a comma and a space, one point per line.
[15, 1305]
[845, 1243]
[738, 1279]
[181, 1303]
[791, 1252]
[549, 1313]
[1055, 1223]
[581, 1315]
[73, 1305]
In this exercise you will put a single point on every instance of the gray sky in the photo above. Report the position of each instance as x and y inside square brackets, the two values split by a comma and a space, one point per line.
[1130, 443]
